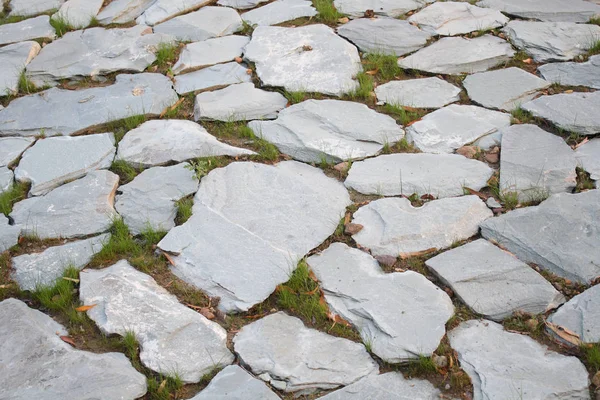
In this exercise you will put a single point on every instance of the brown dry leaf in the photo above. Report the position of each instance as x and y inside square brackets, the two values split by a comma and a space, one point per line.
[249, 71]
[171, 108]
[238, 59]
[476, 193]
[138, 91]
[70, 279]
[568, 91]
[564, 333]
[373, 72]
[404, 256]
[312, 276]
[162, 386]
[527, 61]
[67, 339]
[578, 145]
[344, 20]
[85, 308]
[169, 258]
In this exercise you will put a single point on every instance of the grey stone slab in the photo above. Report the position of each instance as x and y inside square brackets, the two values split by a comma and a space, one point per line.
[234, 383]
[13, 60]
[310, 58]
[215, 76]
[239, 102]
[32, 28]
[206, 23]
[77, 209]
[173, 338]
[9, 234]
[11, 148]
[160, 142]
[493, 282]
[503, 89]
[162, 10]
[545, 10]
[388, 8]
[457, 55]
[332, 129]
[32, 271]
[279, 11]
[419, 93]
[402, 315]
[393, 227]
[65, 112]
[53, 161]
[384, 35]
[281, 350]
[508, 365]
[440, 175]
[588, 158]
[209, 52]
[27, 8]
[6, 178]
[572, 73]
[123, 11]
[560, 235]
[78, 13]
[581, 315]
[240, 4]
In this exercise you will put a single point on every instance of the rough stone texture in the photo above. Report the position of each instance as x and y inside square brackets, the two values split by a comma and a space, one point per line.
[441, 175]
[162, 10]
[402, 315]
[503, 89]
[79, 13]
[572, 73]
[282, 351]
[11, 148]
[588, 157]
[6, 178]
[545, 10]
[212, 77]
[123, 11]
[43, 269]
[279, 11]
[384, 35]
[451, 127]
[240, 4]
[149, 201]
[581, 315]
[494, 283]
[390, 386]
[76, 209]
[507, 365]
[206, 23]
[53, 161]
[233, 383]
[456, 18]
[160, 142]
[27, 8]
[65, 112]
[574, 112]
[560, 235]
[33, 28]
[173, 338]
[239, 102]
[535, 163]
[310, 58]
[299, 208]
[9, 234]
[388, 8]
[209, 52]
[457, 55]
[332, 129]
[13, 60]
[394, 227]
[36, 363]
[419, 93]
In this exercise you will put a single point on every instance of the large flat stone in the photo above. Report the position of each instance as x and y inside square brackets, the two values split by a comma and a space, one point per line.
[310, 58]
[234, 383]
[389, 386]
[240, 4]
[393, 227]
[123, 11]
[388, 8]
[173, 338]
[282, 351]
[402, 315]
[78, 13]
[65, 112]
[505, 365]
[216, 76]
[440, 175]
[162, 10]
[9, 234]
[545, 10]
[206, 23]
[581, 315]
[332, 129]
[209, 52]
[572, 73]
[588, 158]
[36, 363]
[27, 8]
[418, 93]
[32, 28]
[11, 148]
[279, 11]
[13, 60]
[560, 235]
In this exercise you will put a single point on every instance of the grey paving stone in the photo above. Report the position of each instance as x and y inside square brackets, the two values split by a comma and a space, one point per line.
[418, 93]
[6, 179]
[209, 52]
[11, 148]
[581, 315]
[9, 234]
[27, 8]
[123, 11]
[572, 73]
[240, 4]
[78, 13]
[206, 23]
[388, 8]
[279, 11]
[545, 10]
[213, 77]
[234, 383]
[162, 10]
[13, 60]
[588, 157]
[32, 28]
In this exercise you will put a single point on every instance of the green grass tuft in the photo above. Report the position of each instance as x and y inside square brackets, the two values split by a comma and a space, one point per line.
[591, 355]
[520, 116]
[267, 151]
[184, 209]
[401, 114]
[202, 166]
[120, 244]
[594, 48]
[17, 192]
[121, 126]
[326, 11]
[386, 65]
[422, 366]
[166, 54]
[60, 25]
[365, 87]
[126, 171]
[300, 294]
[295, 97]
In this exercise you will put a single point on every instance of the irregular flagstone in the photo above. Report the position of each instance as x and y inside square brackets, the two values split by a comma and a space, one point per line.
[36, 363]
[507, 365]
[173, 338]
[212, 77]
[455, 18]
[503, 89]
[572, 73]
[11, 148]
[32, 28]
[545, 10]
[552, 41]
[574, 112]
[233, 383]
[310, 58]
[535, 163]
[560, 235]
[282, 351]
[65, 112]
[123, 11]
[384, 35]
[240, 4]
[9, 234]
[239, 102]
[588, 158]
[440, 175]
[31, 271]
[393, 227]
[162, 10]
[159, 142]
[79, 13]
[334, 129]
[206, 23]
[149, 201]
[581, 315]
[388, 8]
[451, 127]
[53, 161]
[402, 315]
[299, 208]
[28, 8]
[13, 60]
[6, 179]
[494, 283]
[419, 93]
[76, 209]
[209, 52]
[279, 11]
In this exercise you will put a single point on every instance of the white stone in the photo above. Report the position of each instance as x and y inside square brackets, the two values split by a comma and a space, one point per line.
[240, 4]
[216, 76]
[78, 13]
[279, 11]
[123, 11]
[233, 383]
[588, 158]
[581, 315]
[209, 52]
[9, 234]
[13, 60]
[388, 8]
[418, 93]
[545, 10]
[573, 73]
[32, 28]
[27, 8]
[206, 23]
[162, 10]
[389, 386]
[11, 148]
[6, 179]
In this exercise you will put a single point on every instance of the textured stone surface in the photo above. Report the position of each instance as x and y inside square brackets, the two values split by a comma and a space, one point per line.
[389, 386]
[310, 58]
[240, 4]
[545, 10]
[588, 157]
[206, 23]
[27, 8]
[78, 13]
[36, 363]
[394, 227]
[560, 235]
[389, 8]
[281, 350]
[6, 178]
[123, 11]
[279, 11]
[572, 73]
[581, 315]
[457, 55]
[209, 52]
[402, 315]
[419, 93]
[173, 338]
[506, 365]
[33, 28]
[11, 148]
[212, 77]
[233, 383]
[79, 208]
[332, 129]
[162, 10]
[13, 60]
[9, 234]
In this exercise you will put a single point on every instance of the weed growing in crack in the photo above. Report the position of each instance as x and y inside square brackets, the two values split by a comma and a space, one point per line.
[122, 126]
[61, 25]
[385, 65]
[184, 209]
[126, 171]
[365, 88]
[8, 198]
[326, 11]
[166, 54]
